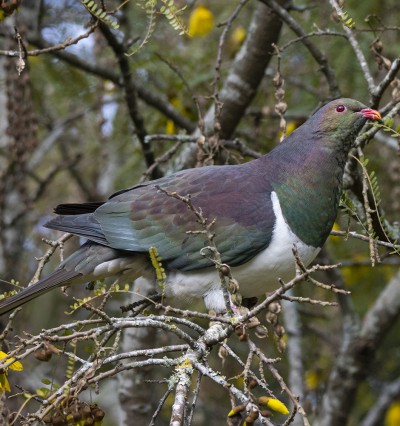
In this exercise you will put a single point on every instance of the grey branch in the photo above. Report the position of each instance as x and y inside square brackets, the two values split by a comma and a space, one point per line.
[356, 353]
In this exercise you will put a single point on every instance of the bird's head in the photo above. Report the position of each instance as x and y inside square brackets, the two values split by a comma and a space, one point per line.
[340, 120]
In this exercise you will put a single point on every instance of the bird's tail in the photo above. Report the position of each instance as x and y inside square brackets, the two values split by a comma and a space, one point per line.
[90, 261]
[57, 278]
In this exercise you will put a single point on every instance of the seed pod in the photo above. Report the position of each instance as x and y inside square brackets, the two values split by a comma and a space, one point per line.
[266, 413]
[89, 421]
[59, 420]
[387, 63]
[277, 80]
[280, 93]
[271, 318]
[253, 322]
[252, 416]
[275, 307]
[233, 286]
[236, 410]
[279, 330]
[76, 413]
[98, 414]
[86, 411]
[252, 383]
[378, 46]
[42, 355]
[239, 330]
[281, 107]
[77, 416]
[222, 353]
[281, 346]
[45, 351]
[237, 299]
[224, 270]
[261, 331]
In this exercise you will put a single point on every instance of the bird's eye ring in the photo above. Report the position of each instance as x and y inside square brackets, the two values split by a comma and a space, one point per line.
[340, 108]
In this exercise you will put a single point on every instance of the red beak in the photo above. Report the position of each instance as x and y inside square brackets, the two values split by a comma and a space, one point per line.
[372, 114]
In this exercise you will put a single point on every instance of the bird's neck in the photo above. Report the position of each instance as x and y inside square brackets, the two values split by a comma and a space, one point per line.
[308, 186]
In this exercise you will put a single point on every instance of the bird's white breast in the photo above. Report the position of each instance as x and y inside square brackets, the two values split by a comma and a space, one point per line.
[258, 276]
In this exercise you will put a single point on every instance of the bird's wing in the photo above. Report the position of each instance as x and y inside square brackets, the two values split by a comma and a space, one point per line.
[146, 216]
[237, 197]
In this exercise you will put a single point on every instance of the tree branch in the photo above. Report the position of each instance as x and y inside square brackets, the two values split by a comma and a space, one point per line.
[243, 79]
[313, 49]
[131, 96]
[357, 353]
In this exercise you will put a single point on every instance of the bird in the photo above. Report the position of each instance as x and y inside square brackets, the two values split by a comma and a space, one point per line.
[260, 210]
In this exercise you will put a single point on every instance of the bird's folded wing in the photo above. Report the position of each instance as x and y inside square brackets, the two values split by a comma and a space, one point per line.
[145, 216]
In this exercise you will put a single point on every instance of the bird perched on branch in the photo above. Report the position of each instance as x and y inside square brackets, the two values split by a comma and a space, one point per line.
[261, 209]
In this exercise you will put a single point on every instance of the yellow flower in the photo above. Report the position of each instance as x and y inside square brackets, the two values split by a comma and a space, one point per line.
[16, 365]
[392, 417]
[238, 35]
[236, 40]
[170, 125]
[201, 21]
[273, 404]
[334, 238]
[313, 379]
[290, 127]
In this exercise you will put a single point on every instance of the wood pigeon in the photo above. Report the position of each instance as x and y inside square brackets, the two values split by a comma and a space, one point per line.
[261, 209]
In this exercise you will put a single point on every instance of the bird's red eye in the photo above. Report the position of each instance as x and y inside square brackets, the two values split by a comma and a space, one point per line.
[340, 108]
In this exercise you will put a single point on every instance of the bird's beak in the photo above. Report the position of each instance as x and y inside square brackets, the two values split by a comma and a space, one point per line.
[372, 114]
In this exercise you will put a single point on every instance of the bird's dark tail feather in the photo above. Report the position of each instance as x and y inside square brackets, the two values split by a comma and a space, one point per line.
[57, 278]
[143, 303]
[77, 208]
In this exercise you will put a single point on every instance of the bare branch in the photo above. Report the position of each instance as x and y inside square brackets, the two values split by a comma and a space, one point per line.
[357, 353]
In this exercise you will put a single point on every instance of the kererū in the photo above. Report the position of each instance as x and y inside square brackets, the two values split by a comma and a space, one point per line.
[261, 209]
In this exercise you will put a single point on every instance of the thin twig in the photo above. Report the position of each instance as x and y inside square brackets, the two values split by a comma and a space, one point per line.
[46, 257]
[355, 235]
[54, 48]
[382, 86]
